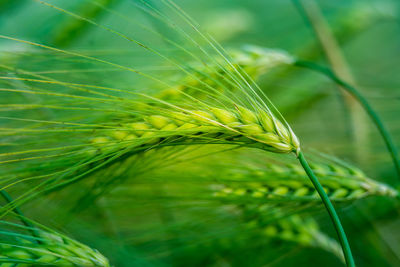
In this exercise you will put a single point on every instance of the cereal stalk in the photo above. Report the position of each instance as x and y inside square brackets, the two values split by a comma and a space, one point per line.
[363, 102]
[331, 210]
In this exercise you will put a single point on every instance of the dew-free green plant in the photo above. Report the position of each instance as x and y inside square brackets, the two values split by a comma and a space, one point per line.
[218, 103]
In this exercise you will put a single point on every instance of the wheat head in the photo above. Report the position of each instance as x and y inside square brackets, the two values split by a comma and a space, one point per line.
[50, 249]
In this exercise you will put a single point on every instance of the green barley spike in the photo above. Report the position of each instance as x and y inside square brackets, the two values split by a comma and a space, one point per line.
[54, 250]
[253, 60]
[287, 181]
[238, 126]
[295, 229]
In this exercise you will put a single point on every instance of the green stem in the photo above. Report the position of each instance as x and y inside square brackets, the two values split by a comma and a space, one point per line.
[331, 210]
[30, 226]
[364, 103]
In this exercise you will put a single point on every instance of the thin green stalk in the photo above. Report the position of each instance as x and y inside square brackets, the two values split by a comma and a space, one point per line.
[353, 118]
[364, 103]
[30, 226]
[331, 210]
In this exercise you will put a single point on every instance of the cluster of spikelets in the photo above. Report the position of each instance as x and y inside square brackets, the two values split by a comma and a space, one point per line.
[257, 194]
[294, 228]
[49, 249]
[252, 60]
[289, 182]
[239, 126]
